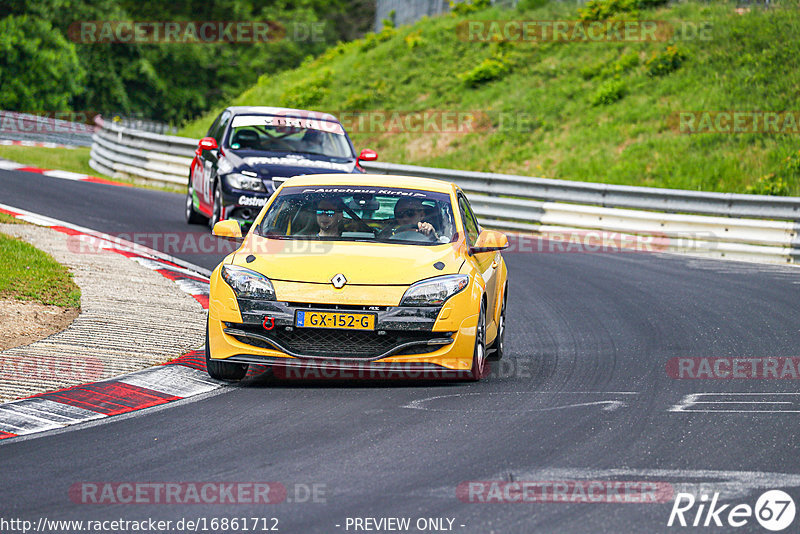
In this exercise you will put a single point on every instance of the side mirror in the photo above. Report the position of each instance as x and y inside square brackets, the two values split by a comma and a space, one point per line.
[206, 143]
[229, 229]
[489, 241]
[367, 155]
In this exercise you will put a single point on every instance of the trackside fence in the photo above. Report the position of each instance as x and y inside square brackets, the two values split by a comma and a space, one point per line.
[721, 225]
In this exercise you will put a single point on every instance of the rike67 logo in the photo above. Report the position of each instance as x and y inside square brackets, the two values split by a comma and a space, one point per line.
[774, 510]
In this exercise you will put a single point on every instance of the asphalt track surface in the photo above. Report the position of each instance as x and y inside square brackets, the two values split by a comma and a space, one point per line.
[583, 394]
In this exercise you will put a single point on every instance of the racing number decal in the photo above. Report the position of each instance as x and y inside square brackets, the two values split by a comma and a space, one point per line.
[207, 181]
[199, 179]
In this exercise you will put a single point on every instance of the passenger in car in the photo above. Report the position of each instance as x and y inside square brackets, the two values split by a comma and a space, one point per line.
[329, 217]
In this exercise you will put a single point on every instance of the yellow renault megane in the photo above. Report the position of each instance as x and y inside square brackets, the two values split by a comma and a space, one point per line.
[351, 272]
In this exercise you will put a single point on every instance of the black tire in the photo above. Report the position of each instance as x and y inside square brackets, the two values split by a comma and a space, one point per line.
[498, 347]
[479, 352]
[192, 217]
[222, 370]
[216, 211]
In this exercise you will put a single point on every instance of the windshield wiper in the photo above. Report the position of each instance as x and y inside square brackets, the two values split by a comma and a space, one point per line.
[309, 152]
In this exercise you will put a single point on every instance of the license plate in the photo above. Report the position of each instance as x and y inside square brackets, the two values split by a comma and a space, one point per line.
[339, 320]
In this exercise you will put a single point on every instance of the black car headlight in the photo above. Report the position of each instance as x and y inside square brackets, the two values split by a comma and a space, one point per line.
[248, 284]
[247, 183]
[434, 291]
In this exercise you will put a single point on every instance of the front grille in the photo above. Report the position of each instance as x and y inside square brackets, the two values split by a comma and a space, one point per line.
[333, 343]
[353, 307]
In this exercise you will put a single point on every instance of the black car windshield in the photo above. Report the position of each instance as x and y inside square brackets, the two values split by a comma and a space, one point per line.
[360, 213]
[272, 133]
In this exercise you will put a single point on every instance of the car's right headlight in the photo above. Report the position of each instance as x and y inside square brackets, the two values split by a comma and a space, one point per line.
[248, 284]
[434, 291]
[247, 183]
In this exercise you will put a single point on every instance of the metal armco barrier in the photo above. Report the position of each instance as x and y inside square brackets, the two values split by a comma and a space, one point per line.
[52, 128]
[125, 153]
[720, 225]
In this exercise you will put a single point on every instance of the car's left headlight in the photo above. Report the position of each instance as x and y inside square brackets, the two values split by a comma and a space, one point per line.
[248, 183]
[248, 284]
[434, 291]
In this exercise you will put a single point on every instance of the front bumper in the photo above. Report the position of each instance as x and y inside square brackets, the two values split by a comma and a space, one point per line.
[404, 337]
[243, 206]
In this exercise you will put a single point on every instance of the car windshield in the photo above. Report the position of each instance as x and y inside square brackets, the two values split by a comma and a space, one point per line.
[272, 133]
[358, 213]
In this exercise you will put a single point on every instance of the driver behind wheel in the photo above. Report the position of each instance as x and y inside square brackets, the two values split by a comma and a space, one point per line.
[411, 211]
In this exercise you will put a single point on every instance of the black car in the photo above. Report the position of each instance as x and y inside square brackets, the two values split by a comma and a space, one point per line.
[249, 151]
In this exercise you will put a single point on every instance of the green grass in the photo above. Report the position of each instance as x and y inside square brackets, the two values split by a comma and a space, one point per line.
[590, 111]
[27, 273]
[64, 159]
[8, 219]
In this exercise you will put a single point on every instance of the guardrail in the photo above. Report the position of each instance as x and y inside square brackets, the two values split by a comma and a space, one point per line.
[733, 226]
[123, 152]
[52, 128]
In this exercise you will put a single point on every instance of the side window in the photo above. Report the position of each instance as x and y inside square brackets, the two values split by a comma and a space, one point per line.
[213, 129]
[223, 123]
[470, 222]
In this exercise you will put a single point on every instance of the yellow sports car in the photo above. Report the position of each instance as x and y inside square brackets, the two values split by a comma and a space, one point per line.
[389, 274]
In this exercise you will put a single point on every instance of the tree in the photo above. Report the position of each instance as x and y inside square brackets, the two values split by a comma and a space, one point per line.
[39, 69]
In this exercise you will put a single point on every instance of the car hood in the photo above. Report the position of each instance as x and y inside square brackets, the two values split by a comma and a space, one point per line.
[360, 263]
[274, 164]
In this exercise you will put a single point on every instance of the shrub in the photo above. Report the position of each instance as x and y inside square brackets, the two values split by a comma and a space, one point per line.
[626, 62]
[609, 92]
[468, 6]
[662, 63]
[778, 183]
[414, 39]
[388, 22]
[590, 71]
[371, 40]
[489, 69]
[606, 9]
[769, 184]
[791, 165]
[616, 68]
